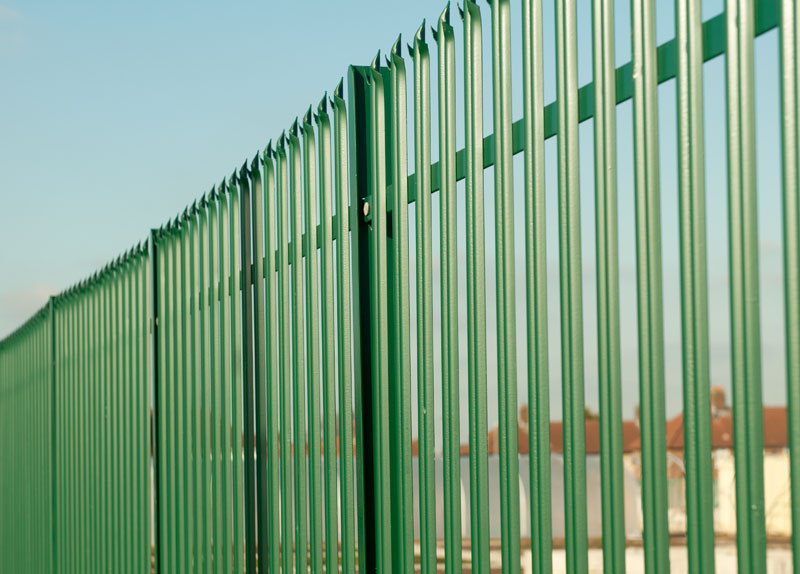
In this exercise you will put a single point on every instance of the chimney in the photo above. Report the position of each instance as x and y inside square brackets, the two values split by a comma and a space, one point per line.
[719, 402]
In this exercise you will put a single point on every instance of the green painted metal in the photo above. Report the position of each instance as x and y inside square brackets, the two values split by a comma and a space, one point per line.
[649, 286]
[344, 334]
[608, 327]
[271, 306]
[744, 289]
[224, 409]
[284, 318]
[505, 287]
[424, 277]
[328, 326]
[790, 99]
[236, 379]
[258, 330]
[476, 288]
[298, 348]
[444, 37]
[569, 229]
[313, 372]
[400, 310]
[536, 288]
[376, 208]
[694, 289]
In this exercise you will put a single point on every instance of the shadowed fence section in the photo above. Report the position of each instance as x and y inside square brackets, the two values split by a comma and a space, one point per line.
[237, 390]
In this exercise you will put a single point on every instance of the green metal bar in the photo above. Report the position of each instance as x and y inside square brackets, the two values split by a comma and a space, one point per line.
[141, 440]
[506, 300]
[449, 293]
[379, 315]
[284, 319]
[170, 453]
[237, 375]
[155, 316]
[694, 286]
[172, 405]
[536, 288]
[194, 381]
[569, 227]
[87, 547]
[260, 375]
[476, 288]
[54, 419]
[298, 351]
[118, 416]
[93, 381]
[328, 325]
[315, 509]
[272, 376]
[73, 456]
[141, 450]
[424, 276]
[215, 382]
[248, 368]
[236, 273]
[344, 332]
[226, 439]
[106, 534]
[400, 378]
[744, 277]
[127, 405]
[132, 411]
[608, 329]
[790, 100]
[650, 307]
[181, 493]
[203, 306]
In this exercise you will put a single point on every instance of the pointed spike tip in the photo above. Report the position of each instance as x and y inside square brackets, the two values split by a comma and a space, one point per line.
[322, 108]
[338, 92]
[397, 48]
[308, 117]
[445, 17]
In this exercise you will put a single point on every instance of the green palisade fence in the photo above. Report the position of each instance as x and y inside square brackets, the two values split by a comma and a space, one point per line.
[235, 393]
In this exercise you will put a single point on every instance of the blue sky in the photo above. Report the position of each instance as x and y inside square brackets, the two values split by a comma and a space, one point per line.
[114, 116]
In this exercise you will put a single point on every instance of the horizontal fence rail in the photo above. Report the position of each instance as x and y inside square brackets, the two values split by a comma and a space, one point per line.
[235, 393]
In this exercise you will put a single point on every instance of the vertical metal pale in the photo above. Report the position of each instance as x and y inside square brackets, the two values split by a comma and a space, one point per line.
[571, 289]
[443, 35]
[608, 330]
[649, 285]
[476, 287]
[694, 288]
[744, 285]
[790, 100]
[424, 277]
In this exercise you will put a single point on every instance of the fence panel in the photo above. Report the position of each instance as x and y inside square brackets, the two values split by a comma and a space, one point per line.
[239, 390]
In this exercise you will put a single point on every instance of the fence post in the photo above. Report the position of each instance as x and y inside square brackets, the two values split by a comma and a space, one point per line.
[366, 425]
[155, 419]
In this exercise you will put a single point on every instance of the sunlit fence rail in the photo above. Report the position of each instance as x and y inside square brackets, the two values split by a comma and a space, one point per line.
[238, 388]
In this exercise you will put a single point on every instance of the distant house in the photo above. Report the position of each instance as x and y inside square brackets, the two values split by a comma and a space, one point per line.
[777, 493]
[776, 467]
